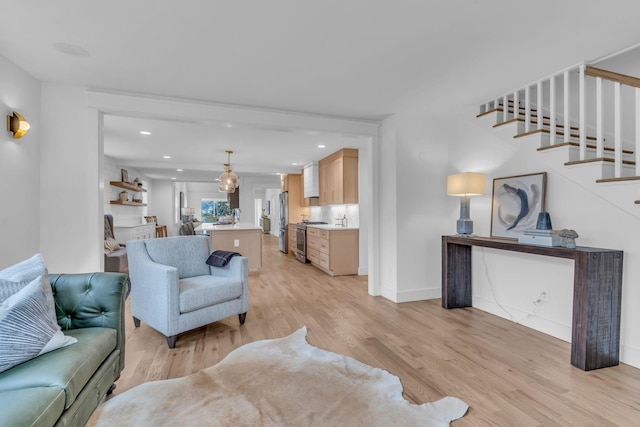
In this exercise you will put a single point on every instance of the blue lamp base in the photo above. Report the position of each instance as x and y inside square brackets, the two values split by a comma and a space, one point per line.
[464, 225]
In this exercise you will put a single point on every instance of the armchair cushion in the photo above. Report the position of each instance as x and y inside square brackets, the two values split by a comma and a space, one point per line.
[203, 291]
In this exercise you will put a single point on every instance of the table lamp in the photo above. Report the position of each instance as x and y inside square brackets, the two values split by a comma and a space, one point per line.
[464, 185]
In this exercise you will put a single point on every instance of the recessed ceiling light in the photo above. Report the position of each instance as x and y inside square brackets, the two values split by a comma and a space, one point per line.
[173, 177]
[321, 145]
[166, 157]
[228, 125]
[294, 164]
[179, 170]
[145, 132]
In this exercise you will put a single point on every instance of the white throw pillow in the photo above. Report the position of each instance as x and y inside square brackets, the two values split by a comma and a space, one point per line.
[27, 328]
[16, 277]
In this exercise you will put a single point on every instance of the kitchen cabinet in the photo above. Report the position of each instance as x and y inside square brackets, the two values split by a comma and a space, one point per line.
[338, 175]
[292, 239]
[334, 251]
[134, 232]
[292, 184]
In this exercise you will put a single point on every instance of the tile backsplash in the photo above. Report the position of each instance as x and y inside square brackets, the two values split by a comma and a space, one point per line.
[329, 214]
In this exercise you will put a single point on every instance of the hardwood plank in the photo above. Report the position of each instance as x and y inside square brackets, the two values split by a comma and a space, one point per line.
[507, 373]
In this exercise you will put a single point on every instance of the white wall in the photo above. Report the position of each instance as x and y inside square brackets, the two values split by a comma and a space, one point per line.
[71, 191]
[19, 167]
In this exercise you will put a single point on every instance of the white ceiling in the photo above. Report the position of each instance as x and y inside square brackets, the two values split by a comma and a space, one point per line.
[362, 59]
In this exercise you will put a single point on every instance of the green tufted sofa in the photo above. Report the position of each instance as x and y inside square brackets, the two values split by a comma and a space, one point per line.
[64, 387]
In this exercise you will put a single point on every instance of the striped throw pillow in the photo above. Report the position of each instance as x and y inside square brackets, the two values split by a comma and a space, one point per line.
[26, 327]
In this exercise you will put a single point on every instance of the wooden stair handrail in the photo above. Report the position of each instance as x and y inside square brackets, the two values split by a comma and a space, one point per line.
[610, 75]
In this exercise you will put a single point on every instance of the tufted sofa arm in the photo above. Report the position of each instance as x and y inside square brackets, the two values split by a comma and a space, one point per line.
[91, 300]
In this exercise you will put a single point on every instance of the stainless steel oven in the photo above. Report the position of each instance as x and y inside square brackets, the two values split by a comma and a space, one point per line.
[301, 240]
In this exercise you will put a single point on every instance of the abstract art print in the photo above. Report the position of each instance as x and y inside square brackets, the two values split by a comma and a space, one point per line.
[517, 201]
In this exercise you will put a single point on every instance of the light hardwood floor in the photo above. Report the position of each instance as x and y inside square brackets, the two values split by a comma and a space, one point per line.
[508, 374]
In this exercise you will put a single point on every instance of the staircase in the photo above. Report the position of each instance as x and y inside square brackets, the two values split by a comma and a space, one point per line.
[582, 117]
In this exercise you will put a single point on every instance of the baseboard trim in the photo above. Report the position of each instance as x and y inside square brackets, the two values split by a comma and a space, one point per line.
[413, 295]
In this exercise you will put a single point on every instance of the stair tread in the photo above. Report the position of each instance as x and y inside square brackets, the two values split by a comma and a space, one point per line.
[558, 133]
[599, 159]
[575, 144]
[621, 179]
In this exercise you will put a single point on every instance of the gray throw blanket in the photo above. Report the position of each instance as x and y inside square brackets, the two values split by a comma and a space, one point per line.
[221, 258]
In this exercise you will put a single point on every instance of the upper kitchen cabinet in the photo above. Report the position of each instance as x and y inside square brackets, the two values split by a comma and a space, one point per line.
[339, 178]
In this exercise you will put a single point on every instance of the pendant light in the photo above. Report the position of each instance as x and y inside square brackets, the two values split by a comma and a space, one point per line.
[228, 181]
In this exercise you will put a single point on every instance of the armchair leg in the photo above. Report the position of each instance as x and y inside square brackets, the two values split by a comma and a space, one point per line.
[171, 341]
[136, 322]
[242, 317]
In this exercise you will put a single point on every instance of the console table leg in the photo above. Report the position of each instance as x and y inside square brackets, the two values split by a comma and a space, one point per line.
[595, 341]
[456, 275]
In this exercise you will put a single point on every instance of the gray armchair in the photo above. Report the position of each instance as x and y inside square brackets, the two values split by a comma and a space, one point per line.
[174, 290]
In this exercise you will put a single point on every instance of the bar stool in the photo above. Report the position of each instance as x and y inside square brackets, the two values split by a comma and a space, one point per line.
[161, 230]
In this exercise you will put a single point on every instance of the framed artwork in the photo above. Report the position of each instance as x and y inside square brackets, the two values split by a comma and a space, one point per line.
[267, 209]
[516, 203]
[125, 175]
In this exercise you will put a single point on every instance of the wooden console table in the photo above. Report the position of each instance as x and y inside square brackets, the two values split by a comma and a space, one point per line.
[597, 292]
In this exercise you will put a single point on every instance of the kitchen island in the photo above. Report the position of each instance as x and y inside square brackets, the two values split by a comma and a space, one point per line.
[245, 239]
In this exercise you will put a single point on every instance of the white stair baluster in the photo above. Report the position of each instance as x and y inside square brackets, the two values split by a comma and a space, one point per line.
[599, 141]
[540, 106]
[527, 109]
[582, 126]
[567, 123]
[505, 109]
[552, 110]
[617, 126]
[637, 93]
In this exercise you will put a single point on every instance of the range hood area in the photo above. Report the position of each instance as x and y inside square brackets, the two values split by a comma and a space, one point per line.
[311, 184]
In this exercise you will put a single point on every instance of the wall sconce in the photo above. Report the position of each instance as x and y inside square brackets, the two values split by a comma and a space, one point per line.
[17, 125]
[464, 185]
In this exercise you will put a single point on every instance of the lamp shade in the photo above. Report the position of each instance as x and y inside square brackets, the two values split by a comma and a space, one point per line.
[466, 184]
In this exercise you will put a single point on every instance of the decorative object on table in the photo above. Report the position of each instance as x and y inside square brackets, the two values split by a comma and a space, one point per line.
[283, 381]
[568, 238]
[123, 196]
[535, 236]
[228, 181]
[464, 185]
[17, 125]
[516, 203]
[544, 221]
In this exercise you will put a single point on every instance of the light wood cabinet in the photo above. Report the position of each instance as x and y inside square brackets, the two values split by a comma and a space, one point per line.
[339, 178]
[333, 251]
[292, 184]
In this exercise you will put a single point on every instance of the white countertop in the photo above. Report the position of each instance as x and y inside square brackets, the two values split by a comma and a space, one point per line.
[225, 227]
[331, 227]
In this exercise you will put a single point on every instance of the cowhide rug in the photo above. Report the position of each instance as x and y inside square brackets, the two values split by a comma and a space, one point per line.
[279, 382]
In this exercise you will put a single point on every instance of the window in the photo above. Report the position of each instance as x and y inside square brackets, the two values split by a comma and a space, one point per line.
[212, 209]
